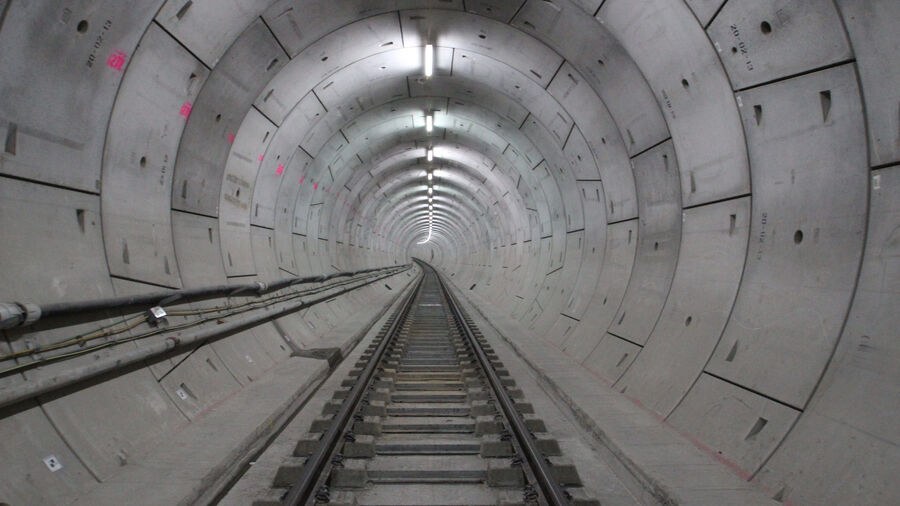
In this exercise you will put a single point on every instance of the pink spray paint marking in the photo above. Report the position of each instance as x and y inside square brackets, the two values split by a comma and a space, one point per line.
[116, 60]
[231, 138]
[280, 169]
[260, 157]
[315, 186]
[301, 179]
[186, 109]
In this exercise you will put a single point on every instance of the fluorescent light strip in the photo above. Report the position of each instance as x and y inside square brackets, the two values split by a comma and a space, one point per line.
[429, 123]
[429, 154]
[429, 60]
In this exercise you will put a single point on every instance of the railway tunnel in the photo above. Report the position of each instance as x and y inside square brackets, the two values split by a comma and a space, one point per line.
[672, 219]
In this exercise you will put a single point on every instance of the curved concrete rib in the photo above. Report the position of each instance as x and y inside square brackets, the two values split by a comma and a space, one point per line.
[695, 202]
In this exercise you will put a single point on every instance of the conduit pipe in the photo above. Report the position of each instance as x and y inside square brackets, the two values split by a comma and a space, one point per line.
[23, 391]
[22, 314]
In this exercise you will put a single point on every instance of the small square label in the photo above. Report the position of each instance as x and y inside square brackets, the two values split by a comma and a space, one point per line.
[181, 393]
[52, 463]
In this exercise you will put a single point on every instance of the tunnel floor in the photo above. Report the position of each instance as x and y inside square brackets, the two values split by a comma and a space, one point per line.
[428, 425]
[430, 429]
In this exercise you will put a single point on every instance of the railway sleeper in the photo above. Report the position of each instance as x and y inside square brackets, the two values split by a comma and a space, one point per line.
[428, 417]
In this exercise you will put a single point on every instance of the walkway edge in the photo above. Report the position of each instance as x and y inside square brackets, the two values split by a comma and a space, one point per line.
[664, 490]
[218, 482]
[169, 461]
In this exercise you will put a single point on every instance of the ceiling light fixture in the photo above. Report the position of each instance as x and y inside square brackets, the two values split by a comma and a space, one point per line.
[430, 154]
[429, 60]
[429, 123]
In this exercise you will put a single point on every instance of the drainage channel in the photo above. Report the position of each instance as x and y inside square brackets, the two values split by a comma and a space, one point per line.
[428, 415]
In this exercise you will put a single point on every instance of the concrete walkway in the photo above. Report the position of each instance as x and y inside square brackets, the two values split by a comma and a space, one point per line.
[671, 467]
[182, 466]
[256, 482]
[190, 465]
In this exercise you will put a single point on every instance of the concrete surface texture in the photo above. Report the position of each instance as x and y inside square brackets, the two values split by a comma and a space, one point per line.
[694, 201]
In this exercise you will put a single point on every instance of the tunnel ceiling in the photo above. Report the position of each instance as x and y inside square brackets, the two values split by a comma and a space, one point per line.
[685, 197]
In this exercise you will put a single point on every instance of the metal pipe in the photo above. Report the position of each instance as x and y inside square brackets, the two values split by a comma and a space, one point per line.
[19, 314]
[22, 391]
[553, 493]
[301, 490]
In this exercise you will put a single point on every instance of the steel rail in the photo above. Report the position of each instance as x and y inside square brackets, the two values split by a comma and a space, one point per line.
[551, 489]
[300, 492]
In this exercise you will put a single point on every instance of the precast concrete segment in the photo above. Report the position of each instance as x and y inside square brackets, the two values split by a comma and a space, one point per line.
[184, 143]
[419, 419]
[168, 336]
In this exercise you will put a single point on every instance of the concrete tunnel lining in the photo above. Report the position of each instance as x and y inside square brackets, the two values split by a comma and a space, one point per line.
[693, 200]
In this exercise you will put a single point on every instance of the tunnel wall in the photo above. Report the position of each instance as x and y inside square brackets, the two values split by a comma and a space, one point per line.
[695, 200]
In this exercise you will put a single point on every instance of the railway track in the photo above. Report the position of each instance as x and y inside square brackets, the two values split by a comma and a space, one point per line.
[428, 415]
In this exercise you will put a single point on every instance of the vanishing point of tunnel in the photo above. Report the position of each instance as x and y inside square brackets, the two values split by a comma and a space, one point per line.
[611, 252]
